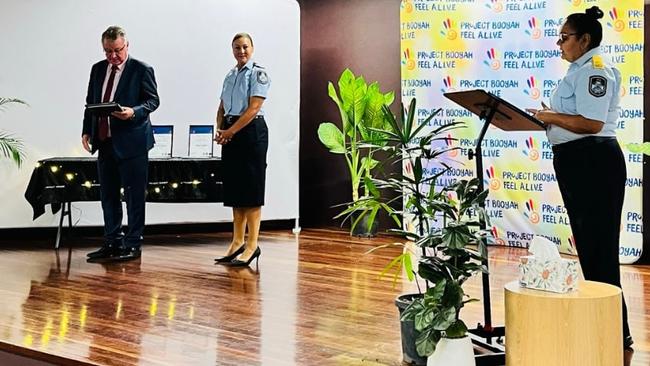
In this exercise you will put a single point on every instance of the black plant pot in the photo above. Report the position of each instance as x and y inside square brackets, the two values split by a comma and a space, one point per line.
[363, 229]
[409, 334]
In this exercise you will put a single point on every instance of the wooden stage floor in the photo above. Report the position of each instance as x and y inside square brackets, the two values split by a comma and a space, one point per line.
[315, 299]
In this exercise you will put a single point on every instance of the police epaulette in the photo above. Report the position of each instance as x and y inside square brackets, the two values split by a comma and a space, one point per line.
[257, 65]
[597, 62]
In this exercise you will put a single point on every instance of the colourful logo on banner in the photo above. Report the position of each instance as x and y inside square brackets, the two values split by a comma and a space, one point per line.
[533, 31]
[572, 245]
[408, 60]
[575, 2]
[451, 146]
[449, 29]
[408, 168]
[531, 149]
[531, 213]
[492, 60]
[532, 90]
[448, 83]
[495, 5]
[407, 6]
[497, 239]
[452, 197]
[616, 23]
[493, 182]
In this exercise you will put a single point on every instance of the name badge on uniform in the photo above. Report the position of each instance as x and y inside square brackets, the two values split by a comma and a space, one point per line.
[597, 86]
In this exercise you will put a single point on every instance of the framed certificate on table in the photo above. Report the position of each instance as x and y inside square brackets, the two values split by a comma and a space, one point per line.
[201, 143]
[164, 141]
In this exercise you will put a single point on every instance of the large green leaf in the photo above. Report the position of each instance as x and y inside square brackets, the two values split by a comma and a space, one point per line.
[359, 100]
[331, 91]
[438, 290]
[444, 319]
[453, 295]
[352, 91]
[424, 318]
[457, 330]
[425, 343]
[456, 235]
[389, 98]
[345, 83]
[431, 270]
[416, 306]
[368, 163]
[374, 119]
[331, 137]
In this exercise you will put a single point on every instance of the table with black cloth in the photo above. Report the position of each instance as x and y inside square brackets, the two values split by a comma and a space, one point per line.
[60, 181]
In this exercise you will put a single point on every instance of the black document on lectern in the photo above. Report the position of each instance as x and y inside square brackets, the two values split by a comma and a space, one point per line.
[506, 116]
[103, 109]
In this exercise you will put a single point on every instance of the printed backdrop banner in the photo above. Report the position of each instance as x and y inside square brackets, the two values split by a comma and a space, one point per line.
[508, 48]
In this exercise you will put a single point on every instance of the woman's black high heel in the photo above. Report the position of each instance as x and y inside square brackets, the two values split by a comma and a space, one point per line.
[234, 255]
[238, 263]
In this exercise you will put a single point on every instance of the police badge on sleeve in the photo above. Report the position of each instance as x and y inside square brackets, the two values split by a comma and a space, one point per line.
[597, 86]
[262, 78]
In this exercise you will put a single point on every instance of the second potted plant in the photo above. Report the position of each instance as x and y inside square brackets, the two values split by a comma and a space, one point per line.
[447, 225]
[360, 108]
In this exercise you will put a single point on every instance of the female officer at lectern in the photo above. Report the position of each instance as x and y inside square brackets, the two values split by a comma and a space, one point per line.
[588, 162]
[242, 132]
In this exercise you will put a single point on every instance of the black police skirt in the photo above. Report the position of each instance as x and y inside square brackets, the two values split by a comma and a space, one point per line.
[244, 164]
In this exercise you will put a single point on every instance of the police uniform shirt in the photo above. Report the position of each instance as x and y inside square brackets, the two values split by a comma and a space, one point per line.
[242, 84]
[591, 89]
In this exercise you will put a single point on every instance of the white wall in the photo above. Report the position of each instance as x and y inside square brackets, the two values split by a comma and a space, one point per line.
[48, 48]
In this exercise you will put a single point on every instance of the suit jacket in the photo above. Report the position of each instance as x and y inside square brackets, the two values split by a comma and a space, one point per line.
[136, 89]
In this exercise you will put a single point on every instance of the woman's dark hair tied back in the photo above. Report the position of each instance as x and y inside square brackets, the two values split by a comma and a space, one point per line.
[587, 23]
[594, 12]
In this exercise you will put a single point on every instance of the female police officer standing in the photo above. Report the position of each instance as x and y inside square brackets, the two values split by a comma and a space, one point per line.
[588, 162]
[242, 132]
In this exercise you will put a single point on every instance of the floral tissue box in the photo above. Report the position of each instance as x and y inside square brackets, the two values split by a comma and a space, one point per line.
[559, 275]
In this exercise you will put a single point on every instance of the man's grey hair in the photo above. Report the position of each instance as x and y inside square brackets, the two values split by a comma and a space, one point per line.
[113, 32]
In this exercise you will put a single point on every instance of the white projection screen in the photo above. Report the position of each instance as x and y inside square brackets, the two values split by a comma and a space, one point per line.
[49, 47]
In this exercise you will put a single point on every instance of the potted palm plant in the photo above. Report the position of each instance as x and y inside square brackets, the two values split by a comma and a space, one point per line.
[10, 146]
[360, 108]
[446, 223]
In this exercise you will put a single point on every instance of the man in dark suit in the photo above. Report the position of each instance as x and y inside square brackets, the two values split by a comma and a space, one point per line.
[123, 141]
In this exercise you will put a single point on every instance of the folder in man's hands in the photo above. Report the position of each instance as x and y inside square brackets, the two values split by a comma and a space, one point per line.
[103, 109]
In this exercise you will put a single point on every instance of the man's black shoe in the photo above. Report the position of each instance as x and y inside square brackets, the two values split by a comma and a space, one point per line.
[126, 254]
[105, 251]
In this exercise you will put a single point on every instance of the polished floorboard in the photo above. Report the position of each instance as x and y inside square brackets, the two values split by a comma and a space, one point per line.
[315, 299]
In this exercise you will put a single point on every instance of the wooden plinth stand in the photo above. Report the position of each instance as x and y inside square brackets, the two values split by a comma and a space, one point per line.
[582, 327]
